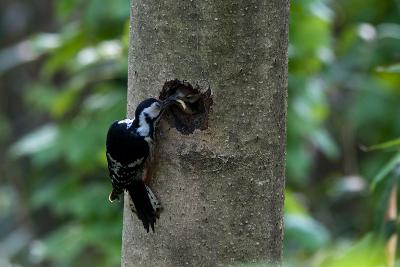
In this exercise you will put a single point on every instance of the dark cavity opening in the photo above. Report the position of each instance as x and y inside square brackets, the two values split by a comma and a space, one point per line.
[198, 104]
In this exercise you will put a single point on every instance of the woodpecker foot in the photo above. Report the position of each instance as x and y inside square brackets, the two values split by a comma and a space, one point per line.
[146, 175]
[113, 196]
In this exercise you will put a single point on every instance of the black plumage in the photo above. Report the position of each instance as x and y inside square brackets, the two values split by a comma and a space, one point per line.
[128, 147]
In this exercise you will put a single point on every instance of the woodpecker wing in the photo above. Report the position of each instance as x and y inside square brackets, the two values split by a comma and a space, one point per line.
[126, 155]
[122, 175]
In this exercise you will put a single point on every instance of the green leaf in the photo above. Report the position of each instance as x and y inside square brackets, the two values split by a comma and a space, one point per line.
[27, 50]
[390, 69]
[64, 8]
[73, 41]
[35, 142]
[66, 99]
[41, 96]
[293, 205]
[384, 145]
[368, 252]
[305, 232]
[323, 140]
[382, 174]
[68, 237]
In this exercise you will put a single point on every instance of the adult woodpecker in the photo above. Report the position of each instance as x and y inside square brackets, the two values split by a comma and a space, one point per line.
[129, 149]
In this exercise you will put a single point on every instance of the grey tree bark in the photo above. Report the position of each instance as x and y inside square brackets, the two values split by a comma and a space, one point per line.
[222, 188]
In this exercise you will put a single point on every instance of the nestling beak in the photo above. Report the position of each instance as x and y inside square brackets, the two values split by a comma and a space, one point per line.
[173, 99]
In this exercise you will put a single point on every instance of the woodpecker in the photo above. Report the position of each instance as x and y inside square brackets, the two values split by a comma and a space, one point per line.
[129, 149]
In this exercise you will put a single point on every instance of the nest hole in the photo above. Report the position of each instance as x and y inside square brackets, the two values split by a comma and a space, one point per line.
[187, 123]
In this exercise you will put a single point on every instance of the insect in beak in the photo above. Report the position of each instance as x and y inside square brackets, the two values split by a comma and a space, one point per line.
[183, 100]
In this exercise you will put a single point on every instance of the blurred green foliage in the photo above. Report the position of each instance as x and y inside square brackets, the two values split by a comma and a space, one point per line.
[344, 92]
[81, 89]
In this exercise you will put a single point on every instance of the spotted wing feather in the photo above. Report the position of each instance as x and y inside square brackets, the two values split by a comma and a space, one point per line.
[126, 155]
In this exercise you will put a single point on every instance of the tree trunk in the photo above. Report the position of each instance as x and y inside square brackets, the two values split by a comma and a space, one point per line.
[222, 188]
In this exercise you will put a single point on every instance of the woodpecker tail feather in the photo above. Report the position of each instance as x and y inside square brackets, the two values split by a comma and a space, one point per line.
[155, 203]
[142, 198]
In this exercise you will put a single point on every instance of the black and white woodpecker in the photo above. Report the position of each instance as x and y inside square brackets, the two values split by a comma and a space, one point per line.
[129, 149]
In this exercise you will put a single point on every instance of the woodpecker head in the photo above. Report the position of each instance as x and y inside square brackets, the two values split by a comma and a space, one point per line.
[146, 116]
[149, 108]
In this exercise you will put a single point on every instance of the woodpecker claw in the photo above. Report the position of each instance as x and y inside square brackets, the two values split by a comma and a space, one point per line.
[112, 197]
[109, 198]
